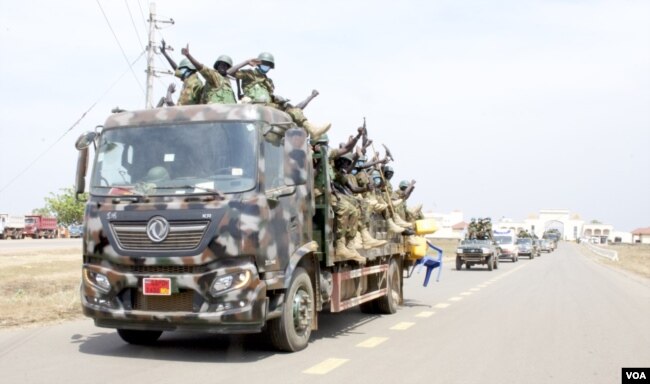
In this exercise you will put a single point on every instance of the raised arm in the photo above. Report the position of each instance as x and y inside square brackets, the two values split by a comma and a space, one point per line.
[163, 49]
[186, 52]
[237, 67]
[303, 104]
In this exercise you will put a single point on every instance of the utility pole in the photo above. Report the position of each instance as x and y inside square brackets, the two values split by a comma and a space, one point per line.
[151, 51]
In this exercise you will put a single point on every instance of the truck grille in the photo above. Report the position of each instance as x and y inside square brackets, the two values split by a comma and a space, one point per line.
[183, 235]
[178, 302]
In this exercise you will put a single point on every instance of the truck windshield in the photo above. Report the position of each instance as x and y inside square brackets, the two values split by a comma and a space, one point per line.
[176, 159]
[503, 239]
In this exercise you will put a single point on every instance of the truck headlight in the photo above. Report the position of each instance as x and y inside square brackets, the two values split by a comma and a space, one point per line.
[98, 280]
[233, 281]
[486, 250]
[459, 250]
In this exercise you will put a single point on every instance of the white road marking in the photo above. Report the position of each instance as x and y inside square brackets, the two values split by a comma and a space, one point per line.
[372, 342]
[425, 314]
[455, 298]
[402, 326]
[441, 305]
[325, 367]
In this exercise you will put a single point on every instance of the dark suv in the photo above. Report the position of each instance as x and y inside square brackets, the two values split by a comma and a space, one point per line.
[527, 247]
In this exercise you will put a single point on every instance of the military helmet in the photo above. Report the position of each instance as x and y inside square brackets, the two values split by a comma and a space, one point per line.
[388, 171]
[322, 139]
[156, 175]
[403, 184]
[348, 156]
[224, 59]
[375, 174]
[187, 64]
[267, 57]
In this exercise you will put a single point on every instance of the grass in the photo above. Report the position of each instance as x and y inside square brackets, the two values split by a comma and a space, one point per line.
[634, 258]
[39, 287]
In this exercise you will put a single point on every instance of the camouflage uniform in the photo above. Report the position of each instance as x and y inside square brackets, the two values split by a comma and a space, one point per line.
[192, 88]
[217, 89]
[256, 85]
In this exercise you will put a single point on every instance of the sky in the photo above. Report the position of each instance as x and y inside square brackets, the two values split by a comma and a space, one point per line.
[495, 108]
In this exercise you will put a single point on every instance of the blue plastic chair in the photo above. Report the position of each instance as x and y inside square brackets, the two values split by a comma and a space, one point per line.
[430, 263]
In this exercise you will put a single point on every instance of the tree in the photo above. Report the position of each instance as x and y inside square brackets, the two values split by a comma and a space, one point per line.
[41, 212]
[65, 206]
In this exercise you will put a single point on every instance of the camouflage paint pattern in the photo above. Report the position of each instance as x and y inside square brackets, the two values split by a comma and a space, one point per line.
[254, 235]
[256, 85]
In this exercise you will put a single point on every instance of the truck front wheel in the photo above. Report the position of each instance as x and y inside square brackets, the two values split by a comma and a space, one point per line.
[139, 337]
[490, 263]
[290, 332]
[459, 263]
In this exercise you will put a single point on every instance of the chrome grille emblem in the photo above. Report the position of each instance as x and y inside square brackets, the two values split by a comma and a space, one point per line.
[157, 229]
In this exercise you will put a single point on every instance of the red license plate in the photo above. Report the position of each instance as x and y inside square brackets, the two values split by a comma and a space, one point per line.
[157, 286]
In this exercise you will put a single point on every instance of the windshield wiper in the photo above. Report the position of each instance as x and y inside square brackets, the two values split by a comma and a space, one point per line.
[187, 186]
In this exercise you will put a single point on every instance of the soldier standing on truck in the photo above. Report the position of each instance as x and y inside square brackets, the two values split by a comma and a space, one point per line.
[259, 88]
[217, 88]
[192, 85]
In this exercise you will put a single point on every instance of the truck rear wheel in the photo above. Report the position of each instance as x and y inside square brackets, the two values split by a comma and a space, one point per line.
[388, 304]
[290, 332]
[139, 337]
[496, 262]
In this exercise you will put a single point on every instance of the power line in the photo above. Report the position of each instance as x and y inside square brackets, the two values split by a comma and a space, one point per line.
[120, 45]
[126, 2]
[30, 165]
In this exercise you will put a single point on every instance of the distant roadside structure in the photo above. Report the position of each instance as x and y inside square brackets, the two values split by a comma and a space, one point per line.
[450, 225]
[641, 235]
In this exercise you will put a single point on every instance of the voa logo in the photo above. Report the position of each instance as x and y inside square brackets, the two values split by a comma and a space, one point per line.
[636, 375]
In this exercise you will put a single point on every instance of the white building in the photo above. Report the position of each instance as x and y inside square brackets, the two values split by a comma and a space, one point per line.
[450, 225]
[641, 235]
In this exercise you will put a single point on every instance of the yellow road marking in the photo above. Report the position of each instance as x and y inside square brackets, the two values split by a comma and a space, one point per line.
[372, 342]
[425, 314]
[441, 305]
[402, 326]
[325, 367]
[467, 293]
[455, 298]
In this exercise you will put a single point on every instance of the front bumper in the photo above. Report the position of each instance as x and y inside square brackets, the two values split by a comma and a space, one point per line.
[190, 306]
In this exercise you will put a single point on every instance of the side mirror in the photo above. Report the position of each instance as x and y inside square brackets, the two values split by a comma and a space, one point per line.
[82, 167]
[296, 157]
[85, 140]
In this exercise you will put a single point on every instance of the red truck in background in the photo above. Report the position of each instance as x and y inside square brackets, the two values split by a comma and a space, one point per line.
[40, 227]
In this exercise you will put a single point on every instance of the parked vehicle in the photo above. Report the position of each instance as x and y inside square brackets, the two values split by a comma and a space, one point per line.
[11, 226]
[527, 247]
[37, 227]
[507, 242]
[75, 230]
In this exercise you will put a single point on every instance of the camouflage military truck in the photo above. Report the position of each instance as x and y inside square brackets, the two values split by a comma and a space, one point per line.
[204, 218]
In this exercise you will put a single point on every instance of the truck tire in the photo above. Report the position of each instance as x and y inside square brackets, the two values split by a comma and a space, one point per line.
[388, 304]
[369, 307]
[496, 262]
[139, 337]
[459, 263]
[490, 263]
[290, 332]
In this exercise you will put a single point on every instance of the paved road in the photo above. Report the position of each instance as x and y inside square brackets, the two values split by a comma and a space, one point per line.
[28, 244]
[561, 318]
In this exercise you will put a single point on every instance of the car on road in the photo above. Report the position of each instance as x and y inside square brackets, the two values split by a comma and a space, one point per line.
[76, 230]
[472, 252]
[527, 247]
[546, 245]
[507, 243]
